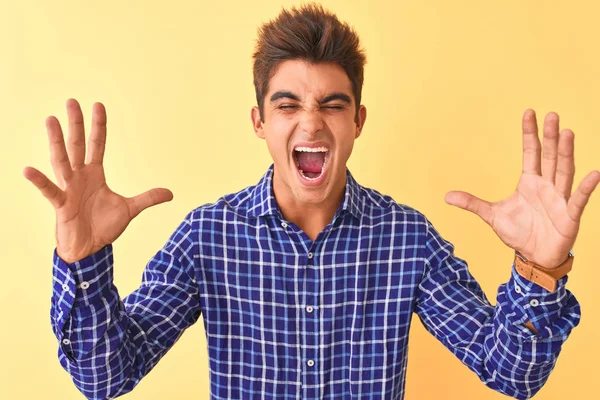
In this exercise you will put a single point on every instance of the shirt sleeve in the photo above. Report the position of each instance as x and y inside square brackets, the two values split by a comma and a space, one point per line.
[107, 344]
[491, 340]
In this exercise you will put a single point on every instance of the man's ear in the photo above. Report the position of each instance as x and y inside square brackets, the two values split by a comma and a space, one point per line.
[360, 122]
[257, 123]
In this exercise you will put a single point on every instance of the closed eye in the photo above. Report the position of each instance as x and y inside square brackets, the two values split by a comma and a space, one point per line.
[291, 107]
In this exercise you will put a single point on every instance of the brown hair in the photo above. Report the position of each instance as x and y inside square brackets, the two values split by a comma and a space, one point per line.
[311, 34]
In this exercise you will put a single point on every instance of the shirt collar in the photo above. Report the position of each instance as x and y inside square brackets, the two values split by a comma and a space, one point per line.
[262, 200]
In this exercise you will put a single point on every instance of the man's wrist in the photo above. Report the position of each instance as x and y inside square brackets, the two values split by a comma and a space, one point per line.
[527, 301]
[544, 277]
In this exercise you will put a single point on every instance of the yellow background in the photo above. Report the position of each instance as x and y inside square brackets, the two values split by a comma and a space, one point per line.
[446, 85]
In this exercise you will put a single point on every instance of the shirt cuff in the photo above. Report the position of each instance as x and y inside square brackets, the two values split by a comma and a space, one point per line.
[523, 300]
[80, 283]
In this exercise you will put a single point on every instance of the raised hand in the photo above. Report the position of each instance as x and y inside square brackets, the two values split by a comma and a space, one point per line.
[89, 215]
[541, 218]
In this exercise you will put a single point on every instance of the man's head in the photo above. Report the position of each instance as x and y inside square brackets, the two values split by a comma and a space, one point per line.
[308, 76]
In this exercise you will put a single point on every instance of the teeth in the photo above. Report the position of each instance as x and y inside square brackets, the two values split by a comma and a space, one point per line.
[311, 179]
[312, 149]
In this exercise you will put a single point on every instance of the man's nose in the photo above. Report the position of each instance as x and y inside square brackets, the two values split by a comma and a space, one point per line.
[311, 121]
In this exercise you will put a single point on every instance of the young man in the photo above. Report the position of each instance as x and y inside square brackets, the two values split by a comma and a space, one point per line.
[307, 281]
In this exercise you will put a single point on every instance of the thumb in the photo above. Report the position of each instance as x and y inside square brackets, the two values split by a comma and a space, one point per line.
[147, 199]
[471, 203]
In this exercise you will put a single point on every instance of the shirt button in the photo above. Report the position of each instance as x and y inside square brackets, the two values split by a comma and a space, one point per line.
[85, 285]
[309, 309]
[65, 287]
[518, 289]
[310, 255]
[534, 303]
[66, 341]
[310, 363]
[283, 224]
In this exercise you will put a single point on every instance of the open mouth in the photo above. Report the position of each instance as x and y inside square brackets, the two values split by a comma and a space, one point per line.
[311, 162]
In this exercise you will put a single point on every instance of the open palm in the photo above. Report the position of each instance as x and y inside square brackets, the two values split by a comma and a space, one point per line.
[89, 215]
[541, 218]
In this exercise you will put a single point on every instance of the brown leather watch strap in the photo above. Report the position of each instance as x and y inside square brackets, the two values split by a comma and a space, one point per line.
[544, 277]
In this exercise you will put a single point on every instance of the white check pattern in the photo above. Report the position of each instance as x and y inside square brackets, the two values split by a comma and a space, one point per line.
[289, 318]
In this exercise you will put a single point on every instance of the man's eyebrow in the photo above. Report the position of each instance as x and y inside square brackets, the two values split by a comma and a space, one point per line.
[284, 94]
[336, 96]
[289, 95]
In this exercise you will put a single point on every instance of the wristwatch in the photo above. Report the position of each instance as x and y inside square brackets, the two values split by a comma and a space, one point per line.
[544, 277]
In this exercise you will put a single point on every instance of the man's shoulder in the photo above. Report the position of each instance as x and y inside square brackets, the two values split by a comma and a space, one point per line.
[234, 203]
[380, 205]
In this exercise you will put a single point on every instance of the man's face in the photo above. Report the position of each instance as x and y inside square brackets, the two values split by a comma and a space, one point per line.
[309, 126]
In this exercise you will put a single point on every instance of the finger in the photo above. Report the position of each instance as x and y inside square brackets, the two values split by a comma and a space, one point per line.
[565, 167]
[48, 189]
[147, 199]
[580, 197]
[58, 153]
[76, 141]
[531, 144]
[470, 203]
[550, 146]
[97, 141]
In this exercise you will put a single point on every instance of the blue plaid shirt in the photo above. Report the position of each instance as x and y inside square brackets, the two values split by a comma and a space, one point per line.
[289, 318]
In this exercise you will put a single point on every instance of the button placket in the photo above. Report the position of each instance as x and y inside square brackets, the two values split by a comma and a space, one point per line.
[311, 321]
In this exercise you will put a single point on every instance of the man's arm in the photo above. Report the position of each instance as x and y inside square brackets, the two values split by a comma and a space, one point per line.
[108, 345]
[493, 341]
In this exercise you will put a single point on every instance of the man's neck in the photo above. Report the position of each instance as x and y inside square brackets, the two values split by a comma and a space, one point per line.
[311, 218]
